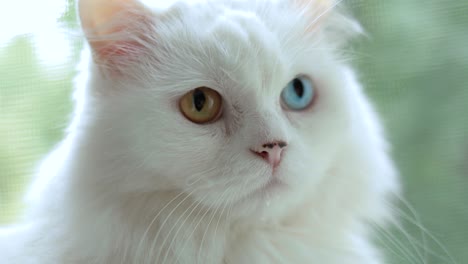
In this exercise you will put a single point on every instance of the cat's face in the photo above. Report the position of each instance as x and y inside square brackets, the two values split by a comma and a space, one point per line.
[235, 104]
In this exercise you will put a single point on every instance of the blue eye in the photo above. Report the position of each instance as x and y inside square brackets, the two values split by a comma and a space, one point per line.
[298, 94]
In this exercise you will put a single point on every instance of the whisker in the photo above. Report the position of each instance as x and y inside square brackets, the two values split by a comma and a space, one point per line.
[219, 217]
[183, 223]
[416, 245]
[407, 254]
[193, 206]
[158, 233]
[211, 219]
[148, 256]
[154, 219]
[417, 223]
[417, 220]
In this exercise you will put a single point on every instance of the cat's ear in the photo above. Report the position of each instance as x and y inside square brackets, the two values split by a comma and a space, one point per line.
[329, 17]
[316, 11]
[115, 29]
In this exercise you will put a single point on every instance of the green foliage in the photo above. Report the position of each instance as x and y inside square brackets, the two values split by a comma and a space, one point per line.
[413, 65]
[33, 112]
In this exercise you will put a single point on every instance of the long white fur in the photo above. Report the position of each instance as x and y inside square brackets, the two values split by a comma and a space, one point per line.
[135, 182]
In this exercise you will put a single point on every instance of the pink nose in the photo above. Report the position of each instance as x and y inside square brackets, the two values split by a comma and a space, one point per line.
[271, 152]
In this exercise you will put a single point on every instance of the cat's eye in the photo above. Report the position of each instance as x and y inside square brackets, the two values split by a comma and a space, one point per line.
[201, 105]
[298, 94]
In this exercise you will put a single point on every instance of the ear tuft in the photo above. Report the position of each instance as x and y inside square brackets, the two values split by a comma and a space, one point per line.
[328, 16]
[315, 10]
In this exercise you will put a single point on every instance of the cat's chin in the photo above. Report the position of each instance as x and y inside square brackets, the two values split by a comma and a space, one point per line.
[269, 199]
[272, 187]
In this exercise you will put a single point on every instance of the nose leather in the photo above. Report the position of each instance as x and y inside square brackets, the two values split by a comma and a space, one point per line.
[271, 152]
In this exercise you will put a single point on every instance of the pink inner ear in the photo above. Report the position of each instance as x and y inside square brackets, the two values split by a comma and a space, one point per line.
[116, 30]
[123, 44]
[117, 57]
[117, 50]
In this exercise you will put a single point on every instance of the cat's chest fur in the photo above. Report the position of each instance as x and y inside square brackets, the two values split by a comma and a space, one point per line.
[210, 240]
[182, 236]
[117, 236]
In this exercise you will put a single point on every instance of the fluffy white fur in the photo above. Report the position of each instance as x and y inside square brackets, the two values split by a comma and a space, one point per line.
[136, 182]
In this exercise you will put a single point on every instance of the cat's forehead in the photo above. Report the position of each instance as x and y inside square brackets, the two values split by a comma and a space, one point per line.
[162, 5]
[242, 44]
[236, 43]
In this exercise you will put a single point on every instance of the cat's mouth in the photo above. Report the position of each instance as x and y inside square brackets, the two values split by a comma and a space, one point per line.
[271, 188]
[273, 183]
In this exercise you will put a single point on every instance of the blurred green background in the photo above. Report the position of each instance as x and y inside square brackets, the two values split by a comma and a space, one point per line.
[414, 64]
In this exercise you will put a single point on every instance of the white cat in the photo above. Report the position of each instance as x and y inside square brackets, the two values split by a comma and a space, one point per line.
[216, 131]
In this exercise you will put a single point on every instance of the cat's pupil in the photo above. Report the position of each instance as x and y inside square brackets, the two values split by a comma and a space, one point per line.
[199, 99]
[298, 87]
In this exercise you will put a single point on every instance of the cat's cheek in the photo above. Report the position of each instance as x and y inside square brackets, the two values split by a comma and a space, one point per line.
[298, 170]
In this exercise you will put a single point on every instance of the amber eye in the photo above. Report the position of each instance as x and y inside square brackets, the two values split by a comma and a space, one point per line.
[201, 105]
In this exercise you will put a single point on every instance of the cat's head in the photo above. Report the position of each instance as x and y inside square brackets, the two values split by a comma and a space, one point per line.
[234, 102]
